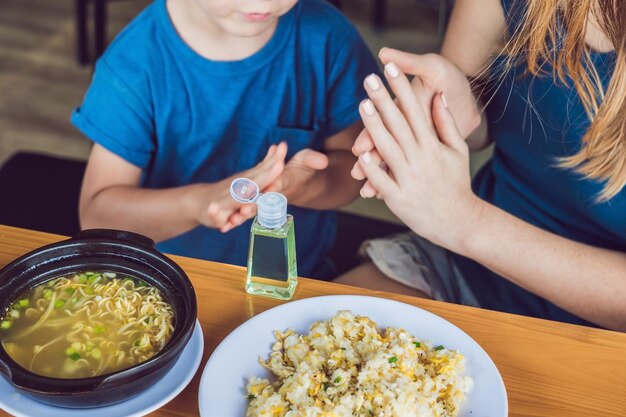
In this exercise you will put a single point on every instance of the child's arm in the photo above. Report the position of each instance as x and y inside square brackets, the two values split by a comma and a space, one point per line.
[111, 198]
[322, 180]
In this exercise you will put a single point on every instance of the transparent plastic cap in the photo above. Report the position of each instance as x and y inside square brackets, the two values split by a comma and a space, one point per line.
[271, 207]
[272, 210]
[244, 190]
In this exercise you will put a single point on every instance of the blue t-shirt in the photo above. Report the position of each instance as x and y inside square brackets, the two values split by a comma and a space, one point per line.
[184, 119]
[533, 121]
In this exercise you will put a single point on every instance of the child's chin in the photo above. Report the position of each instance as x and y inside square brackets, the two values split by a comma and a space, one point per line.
[250, 29]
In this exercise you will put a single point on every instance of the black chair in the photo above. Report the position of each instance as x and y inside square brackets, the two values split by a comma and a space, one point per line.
[352, 230]
[40, 192]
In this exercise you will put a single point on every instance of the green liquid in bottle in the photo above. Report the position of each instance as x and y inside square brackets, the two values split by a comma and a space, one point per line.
[272, 268]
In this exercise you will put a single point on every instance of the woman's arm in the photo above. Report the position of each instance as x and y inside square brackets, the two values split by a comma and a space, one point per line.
[587, 281]
[429, 189]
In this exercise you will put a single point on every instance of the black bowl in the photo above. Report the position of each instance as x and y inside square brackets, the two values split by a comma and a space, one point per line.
[105, 250]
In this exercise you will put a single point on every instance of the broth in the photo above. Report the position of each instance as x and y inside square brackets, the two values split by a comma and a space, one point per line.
[86, 324]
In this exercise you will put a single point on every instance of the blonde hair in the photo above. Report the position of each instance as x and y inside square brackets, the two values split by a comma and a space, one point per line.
[602, 156]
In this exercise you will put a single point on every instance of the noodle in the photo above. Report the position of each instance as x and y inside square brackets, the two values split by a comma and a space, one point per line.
[105, 324]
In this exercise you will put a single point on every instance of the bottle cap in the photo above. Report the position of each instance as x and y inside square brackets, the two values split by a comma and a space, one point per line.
[272, 210]
[271, 207]
[244, 190]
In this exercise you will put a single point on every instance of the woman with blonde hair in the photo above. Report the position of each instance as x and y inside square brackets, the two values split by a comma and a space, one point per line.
[542, 229]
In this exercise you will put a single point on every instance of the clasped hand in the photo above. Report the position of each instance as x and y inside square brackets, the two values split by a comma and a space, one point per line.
[415, 158]
[271, 174]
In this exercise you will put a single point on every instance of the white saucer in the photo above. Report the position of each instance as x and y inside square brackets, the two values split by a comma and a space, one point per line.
[151, 399]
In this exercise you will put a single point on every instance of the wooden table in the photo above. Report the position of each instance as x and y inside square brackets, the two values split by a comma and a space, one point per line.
[548, 368]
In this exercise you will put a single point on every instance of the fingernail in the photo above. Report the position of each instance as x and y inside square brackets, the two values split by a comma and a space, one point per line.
[372, 82]
[368, 107]
[362, 195]
[443, 100]
[367, 157]
[392, 70]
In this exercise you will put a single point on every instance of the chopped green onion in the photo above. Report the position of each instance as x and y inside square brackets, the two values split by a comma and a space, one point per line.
[141, 283]
[88, 290]
[77, 346]
[70, 290]
[417, 344]
[326, 385]
[75, 356]
[393, 359]
[5, 324]
[70, 351]
[250, 396]
[93, 279]
[47, 293]
[96, 353]
[59, 303]
[99, 329]
[337, 380]
[15, 314]
[439, 347]
[74, 300]
[82, 278]
[23, 303]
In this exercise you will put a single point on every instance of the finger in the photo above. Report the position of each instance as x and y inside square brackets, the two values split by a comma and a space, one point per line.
[217, 215]
[363, 143]
[269, 170]
[378, 177]
[356, 172]
[368, 190]
[310, 159]
[425, 66]
[411, 107]
[391, 115]
[270, 152]
[445, 125]
[248, 211]
[386, 145]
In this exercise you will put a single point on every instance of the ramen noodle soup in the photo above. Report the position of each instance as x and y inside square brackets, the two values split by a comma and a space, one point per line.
[86, 324]
[346, 366]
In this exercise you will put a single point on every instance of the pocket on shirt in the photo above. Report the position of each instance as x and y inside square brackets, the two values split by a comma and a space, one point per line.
[297, 139]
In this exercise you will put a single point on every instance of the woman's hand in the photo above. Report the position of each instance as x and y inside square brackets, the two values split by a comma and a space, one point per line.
[428, 183]
[433, 74]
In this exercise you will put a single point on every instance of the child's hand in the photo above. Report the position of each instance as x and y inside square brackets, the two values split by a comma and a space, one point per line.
[223, 212]
[297, 173]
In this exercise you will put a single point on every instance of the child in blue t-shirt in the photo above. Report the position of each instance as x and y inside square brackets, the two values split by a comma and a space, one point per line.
[194, 93]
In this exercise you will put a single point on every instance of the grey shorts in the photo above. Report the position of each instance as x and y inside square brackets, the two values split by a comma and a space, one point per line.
[417, 263]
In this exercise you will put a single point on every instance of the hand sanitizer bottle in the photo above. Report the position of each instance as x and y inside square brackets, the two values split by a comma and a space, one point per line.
[272, 269]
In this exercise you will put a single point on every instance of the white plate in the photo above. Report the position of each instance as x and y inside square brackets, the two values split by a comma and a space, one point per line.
[222, 387]
[151, 399]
